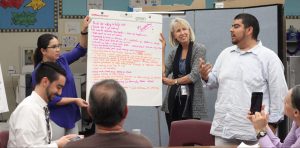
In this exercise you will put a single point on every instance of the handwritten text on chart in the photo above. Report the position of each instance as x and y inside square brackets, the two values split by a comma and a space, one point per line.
[116, 46]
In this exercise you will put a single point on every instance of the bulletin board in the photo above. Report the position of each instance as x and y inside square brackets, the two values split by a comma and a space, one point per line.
[292, 10]
[28, 16]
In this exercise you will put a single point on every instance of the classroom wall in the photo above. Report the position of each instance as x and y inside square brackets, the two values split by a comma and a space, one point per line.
[11, 43]
[123, 4]
[294, 22]
[10, 56]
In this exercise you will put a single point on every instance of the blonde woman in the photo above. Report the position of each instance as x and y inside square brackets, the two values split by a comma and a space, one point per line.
[185, 98]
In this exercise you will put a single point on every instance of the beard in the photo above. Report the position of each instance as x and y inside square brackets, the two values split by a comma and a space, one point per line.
[238, 39]
[234, 42]
[49, 95]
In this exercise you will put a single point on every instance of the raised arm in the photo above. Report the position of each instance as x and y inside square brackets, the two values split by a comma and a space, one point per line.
[84, 31]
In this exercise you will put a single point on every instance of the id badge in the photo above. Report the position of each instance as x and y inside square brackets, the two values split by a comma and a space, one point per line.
[183, 90]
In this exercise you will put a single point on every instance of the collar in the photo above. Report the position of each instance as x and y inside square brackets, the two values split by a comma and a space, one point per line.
[38, 99]
[253, 50]
[104, 130]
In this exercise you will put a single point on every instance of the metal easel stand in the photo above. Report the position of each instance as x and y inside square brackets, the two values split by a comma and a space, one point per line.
[158, 124]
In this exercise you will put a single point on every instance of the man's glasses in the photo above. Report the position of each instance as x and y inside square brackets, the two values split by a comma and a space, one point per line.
[55, 46]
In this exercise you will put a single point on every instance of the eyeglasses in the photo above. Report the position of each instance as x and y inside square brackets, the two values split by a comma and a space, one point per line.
[55, 46]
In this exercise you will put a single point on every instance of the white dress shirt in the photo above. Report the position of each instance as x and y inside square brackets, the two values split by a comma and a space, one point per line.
[237, 74]
[27, 124]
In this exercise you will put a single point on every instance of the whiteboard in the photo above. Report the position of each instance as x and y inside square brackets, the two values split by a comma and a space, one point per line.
[125, 47]
[3, 99]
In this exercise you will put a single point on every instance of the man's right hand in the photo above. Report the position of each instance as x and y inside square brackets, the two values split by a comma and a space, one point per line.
[61, 142]
[204, 69]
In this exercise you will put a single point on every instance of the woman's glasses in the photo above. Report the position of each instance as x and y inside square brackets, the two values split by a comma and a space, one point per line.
[55, 46]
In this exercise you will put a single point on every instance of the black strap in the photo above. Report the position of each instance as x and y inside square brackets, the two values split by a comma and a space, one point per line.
[174, 88]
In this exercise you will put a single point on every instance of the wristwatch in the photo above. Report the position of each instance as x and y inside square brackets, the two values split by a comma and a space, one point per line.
[83, 33]
[261, 134]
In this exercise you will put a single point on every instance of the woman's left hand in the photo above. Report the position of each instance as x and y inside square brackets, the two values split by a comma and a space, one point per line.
[85, 23]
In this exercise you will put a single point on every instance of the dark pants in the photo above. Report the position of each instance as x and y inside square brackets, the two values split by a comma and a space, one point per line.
[177, 111]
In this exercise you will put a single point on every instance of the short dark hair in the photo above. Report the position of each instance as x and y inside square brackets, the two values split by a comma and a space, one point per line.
[51, 70]
[295, 97]
[249, 21]
[108, 101]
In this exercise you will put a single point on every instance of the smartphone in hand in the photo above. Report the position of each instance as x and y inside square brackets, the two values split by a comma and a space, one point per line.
[256, 102]
[75, 138]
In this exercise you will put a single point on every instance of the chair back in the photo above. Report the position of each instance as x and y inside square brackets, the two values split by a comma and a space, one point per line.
[191, 132]
[4, 139]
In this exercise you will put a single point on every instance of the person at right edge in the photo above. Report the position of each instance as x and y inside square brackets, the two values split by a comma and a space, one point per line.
[239, 70]
[185, 98]
[266, 137]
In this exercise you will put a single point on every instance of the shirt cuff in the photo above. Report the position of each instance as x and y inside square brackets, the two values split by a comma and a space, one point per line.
[204, 83]
[274, 118]
[208, 82]
[53, 144]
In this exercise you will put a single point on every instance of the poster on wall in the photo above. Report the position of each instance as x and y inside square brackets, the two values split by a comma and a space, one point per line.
[69, 41]
[28, 16]
[125, 47]
[26, 56]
